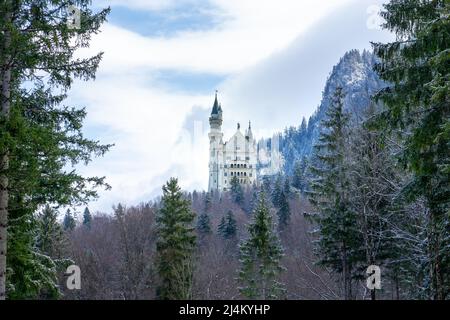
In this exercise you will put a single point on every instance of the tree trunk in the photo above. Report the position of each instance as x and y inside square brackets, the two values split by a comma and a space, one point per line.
[4, 160]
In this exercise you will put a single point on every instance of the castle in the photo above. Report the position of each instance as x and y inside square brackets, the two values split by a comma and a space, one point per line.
[235, 158]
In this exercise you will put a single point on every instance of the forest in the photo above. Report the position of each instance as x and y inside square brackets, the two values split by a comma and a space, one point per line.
[357, 190]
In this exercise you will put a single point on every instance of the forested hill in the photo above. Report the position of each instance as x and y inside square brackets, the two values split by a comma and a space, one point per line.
[355, 74]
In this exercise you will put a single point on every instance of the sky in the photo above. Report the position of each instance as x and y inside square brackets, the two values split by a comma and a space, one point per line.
[164, 59]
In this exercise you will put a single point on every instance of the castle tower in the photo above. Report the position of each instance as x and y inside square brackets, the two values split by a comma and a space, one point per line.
[215, 146]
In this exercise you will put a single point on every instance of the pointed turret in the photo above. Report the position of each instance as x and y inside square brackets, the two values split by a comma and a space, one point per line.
[249, 133]
[216, 107]
[215, 120]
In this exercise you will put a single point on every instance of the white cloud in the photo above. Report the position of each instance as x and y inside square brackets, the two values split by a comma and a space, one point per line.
[251, 30]
[257, 46]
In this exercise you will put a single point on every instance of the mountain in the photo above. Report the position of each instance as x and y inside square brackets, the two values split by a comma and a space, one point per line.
[355, 74]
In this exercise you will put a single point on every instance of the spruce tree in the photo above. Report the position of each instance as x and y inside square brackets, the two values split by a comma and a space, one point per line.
[69, 222]
[287, 187]
[416, 65]
[227, 227]
[175, 245]
[87, 218]
[374, 177]
[284, 211]
[221, 228]
[260, 257]
[277, 190]
[51, 239]
[236, 191]
[51, 247]
[41, 140]
[297, 176]
[204, 224]
[338, 243]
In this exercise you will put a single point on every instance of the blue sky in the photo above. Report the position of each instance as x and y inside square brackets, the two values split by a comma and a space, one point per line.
[164, 59]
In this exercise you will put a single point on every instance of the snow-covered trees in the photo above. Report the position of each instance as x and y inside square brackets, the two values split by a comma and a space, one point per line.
[417, 102]
[338, 234]
[260, 256]
[176, 243]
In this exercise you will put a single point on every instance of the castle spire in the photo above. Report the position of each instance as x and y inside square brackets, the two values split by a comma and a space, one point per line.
[215, 110]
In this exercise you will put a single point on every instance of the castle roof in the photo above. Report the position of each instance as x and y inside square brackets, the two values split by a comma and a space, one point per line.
[216, 107]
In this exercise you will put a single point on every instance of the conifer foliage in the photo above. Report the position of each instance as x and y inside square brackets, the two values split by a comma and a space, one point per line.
[417, 102]
[176, 244]
[331, 195]
[227, 226]
[260, 257]
[40, 138]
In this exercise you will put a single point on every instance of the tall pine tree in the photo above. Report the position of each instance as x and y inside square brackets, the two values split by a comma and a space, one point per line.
[40, 138]
[338, 239]
[416, 65]
[260, 257]
[175, 245]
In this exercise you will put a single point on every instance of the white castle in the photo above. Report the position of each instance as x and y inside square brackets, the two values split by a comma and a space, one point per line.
[235, 158]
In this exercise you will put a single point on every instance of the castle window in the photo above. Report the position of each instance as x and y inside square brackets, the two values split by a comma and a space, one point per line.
[250, 166]
[251, 175]
[245, 166]
[247, 158]
[245, 173]
[225, 174]
[231, 173]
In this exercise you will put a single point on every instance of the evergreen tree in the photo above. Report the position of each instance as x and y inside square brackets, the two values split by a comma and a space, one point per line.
[416, 65]
[284, 211]
[222, 227]
[51, 239]
[39, 137]
[51, 245]
[374, 177]
[260, 257]
[297, 177]
[277, 190]
[87, 218]
[236, 191]
[287, 187]
[227, 227]
[69, 222]
[175, 245]
[208, 201]
[338, 241]
[204, 224]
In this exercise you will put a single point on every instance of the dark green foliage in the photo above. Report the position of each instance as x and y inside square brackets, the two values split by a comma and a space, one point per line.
[299, 177]
[176, 243]
[260, 257]
[417, 65]
[236, 191]
[277, 190]
[338, 243]
[87, 218]
[284, 211]
[41, 137]
[204, 224]
[208, 201]
[69, 222]
[287, 187]
[227, 226]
